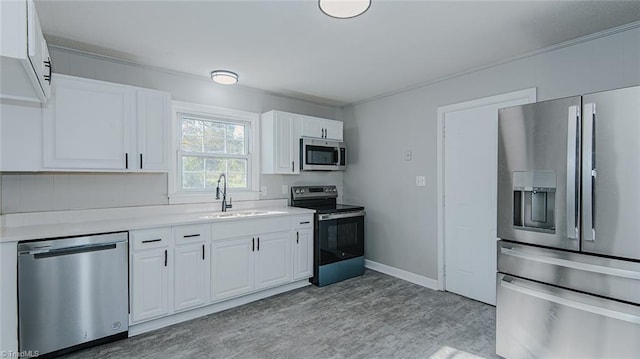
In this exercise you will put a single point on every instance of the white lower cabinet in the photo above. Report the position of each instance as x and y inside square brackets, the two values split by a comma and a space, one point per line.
[192, 262]
[180, 268]
[232, 267]
[245, 264]
[150, 274]
[169, 270]
[302, 247]
[272, 259]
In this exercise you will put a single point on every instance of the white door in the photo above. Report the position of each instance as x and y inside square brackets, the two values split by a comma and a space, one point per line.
[333, 130]
[150, 287]
[190, 276]
[86, 125]
[287, 145]
[303, 254]
[152, 130]
[231, 267]
[273, 258]
[470, 180]
[312, 127]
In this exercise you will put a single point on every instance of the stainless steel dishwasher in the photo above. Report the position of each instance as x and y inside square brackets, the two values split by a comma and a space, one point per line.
[72, 292]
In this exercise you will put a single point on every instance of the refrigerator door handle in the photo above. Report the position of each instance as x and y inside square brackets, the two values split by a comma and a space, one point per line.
[573, 173]
[512, 284]
[588, 171]
[571, 264]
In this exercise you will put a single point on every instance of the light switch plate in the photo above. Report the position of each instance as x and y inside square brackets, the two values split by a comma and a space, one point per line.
[285, 189]
[421, 181]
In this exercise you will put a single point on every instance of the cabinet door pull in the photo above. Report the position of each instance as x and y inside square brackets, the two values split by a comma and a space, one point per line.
[126, 161]
[152, 240]
[258, 243]
[297, 237]
[305, 222]
[253, 244]
[47, 64]
[165, 257]
[203, 252]
[141, 161]
[292, 167]
[191, 235]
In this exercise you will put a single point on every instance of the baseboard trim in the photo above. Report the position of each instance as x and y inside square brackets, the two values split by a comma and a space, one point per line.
[402, 274]
[176, 318]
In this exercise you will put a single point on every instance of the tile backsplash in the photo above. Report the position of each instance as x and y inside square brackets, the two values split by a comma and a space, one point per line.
[31, 192]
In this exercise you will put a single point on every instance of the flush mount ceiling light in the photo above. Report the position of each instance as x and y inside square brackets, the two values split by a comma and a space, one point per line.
[344, 9]
[224, 77]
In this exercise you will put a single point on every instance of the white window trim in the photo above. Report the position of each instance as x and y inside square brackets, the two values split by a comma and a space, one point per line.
[178, 197]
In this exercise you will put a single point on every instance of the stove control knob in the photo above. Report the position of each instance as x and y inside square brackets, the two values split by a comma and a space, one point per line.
[302, 190]
[334, 190]
[296, 191]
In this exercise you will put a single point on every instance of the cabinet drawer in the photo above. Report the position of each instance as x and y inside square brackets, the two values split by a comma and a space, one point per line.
[240, 228]
[299, 222]
[192, 233]
[150, 238]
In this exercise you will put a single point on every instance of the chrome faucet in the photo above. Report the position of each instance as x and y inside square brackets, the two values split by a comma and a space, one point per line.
[225, 205]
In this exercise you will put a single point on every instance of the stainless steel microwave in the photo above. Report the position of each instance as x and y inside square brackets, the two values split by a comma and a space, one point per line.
[322, 155]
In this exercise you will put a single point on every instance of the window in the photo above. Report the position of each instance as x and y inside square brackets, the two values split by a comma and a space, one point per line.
[210, 147]
[211, 141]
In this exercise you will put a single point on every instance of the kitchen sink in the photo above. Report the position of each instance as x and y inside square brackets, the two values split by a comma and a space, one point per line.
[249, 213]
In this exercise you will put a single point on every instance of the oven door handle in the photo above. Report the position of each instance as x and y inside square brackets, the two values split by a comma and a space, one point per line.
[330, 216]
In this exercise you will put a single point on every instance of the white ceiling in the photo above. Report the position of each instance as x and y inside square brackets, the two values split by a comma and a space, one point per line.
[292, 48]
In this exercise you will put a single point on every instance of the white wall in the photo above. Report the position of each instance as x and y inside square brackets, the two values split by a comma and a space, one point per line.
[29, 192]
[401, 218]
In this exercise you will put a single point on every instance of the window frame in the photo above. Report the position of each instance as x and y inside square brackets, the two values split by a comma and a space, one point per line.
[176, 194]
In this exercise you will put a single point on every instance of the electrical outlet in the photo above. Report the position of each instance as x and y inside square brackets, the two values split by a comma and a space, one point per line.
[421, 181]
[285, 189]
[263, 191]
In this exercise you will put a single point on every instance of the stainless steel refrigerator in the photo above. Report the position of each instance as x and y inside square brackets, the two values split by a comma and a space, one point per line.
[569, 226]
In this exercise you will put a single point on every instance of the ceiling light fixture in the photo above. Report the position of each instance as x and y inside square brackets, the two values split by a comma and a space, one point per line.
[224, 77]
[344, 9]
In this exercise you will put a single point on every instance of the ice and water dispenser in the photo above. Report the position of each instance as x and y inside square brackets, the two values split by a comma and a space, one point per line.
[534, 200]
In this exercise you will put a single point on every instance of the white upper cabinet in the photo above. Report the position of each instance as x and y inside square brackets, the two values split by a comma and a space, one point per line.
[333, 130]
[322, 128]
[20, 136]
[312, 127]
[152, 130]
[95, 125]
[86, 125]
[280, 143]
[24, 57]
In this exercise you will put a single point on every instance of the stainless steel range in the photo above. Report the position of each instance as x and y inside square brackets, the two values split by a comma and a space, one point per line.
[338, 252]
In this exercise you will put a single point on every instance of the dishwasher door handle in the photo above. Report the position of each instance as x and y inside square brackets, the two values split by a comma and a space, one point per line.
[71, 250]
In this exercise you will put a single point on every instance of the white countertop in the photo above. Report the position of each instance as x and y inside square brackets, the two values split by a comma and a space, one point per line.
[140, 221]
